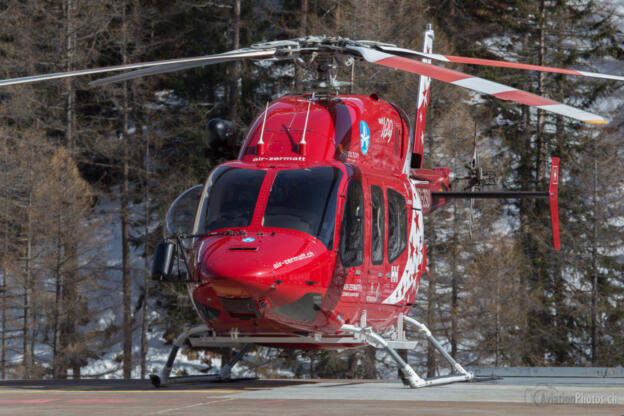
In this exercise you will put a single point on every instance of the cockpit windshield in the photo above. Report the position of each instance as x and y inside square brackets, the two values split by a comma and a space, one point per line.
[305, 200]
[231, 198]
[300, 199]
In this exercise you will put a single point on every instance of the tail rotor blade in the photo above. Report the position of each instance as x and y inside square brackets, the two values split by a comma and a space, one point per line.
[477, 84]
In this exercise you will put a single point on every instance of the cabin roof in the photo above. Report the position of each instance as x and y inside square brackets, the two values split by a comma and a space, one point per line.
[358, 129]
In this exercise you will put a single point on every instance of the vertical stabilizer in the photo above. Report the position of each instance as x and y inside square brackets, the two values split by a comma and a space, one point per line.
[423, 102]
[552, 202]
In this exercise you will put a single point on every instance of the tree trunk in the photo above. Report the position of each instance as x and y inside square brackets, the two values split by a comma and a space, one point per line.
[3, 317]
[337, 17]
[541, 89]
[146, 281]
[66, 280]
[26, 360]
[125, 218]
[303, 32]
[497, 320]
[594, 254]
[57, 366]
[70, 301]
[125, 243]
[369, 363]
[543, 318]
[454, 283]
[70, 40]
[352, 364]
[3, 288]
[235, 67]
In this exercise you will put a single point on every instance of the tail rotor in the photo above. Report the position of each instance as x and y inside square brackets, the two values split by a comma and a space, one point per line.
[476, 178]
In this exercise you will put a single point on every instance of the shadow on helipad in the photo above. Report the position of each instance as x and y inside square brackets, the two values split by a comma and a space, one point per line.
[125, 385]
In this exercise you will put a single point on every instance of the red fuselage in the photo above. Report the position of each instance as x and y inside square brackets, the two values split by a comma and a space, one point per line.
[303, 238]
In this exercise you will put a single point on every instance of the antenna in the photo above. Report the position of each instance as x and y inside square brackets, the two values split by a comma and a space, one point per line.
[260, 146]
[302, 144]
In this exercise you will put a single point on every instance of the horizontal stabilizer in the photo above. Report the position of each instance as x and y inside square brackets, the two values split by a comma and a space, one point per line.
[551, 195]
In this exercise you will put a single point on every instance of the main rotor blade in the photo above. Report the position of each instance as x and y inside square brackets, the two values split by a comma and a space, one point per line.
[181, 64]
[477, 84]
[167, 65]
[496, 63]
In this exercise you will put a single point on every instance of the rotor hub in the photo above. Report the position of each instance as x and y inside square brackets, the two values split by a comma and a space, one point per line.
[320, 58]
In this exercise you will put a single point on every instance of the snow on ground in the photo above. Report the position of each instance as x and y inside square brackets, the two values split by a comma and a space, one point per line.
[108, 303]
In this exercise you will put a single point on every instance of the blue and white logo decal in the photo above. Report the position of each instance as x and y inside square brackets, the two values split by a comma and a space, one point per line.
[249, 240]
[364, 137]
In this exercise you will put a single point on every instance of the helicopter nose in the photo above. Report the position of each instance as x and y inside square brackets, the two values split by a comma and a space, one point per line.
[275, 270]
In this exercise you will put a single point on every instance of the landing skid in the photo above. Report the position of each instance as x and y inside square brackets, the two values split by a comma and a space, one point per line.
[163, 379]
[410, 378]
[202, 336]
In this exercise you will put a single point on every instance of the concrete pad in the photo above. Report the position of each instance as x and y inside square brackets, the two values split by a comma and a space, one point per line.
[309, 397]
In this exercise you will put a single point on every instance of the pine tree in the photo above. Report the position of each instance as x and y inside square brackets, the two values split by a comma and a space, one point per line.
[62, 202]
[563, 34]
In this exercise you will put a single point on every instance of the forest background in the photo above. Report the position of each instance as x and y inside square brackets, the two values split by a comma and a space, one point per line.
[86, 175]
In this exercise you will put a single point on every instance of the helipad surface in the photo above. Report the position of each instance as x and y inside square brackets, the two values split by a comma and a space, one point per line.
[507, 396]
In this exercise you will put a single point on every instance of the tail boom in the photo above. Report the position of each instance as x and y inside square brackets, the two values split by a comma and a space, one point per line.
[433, 186]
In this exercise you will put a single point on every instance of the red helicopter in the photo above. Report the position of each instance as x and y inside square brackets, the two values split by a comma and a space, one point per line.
[313, 238]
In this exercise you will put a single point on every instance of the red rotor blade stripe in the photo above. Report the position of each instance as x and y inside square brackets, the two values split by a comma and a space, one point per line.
[480, 85]
[498, 63]
[525, 98]
[507, 64]
[422, 68]
[517, 65]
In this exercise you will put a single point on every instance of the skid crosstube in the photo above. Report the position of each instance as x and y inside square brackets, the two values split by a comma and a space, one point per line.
[202, 336]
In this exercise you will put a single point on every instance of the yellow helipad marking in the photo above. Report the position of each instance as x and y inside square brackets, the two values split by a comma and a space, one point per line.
[191, 405]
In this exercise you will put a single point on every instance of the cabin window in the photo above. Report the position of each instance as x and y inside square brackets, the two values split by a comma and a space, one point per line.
[352, 229]
[378, 220]
[397, 225]
[305, 200]
[231, 198]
